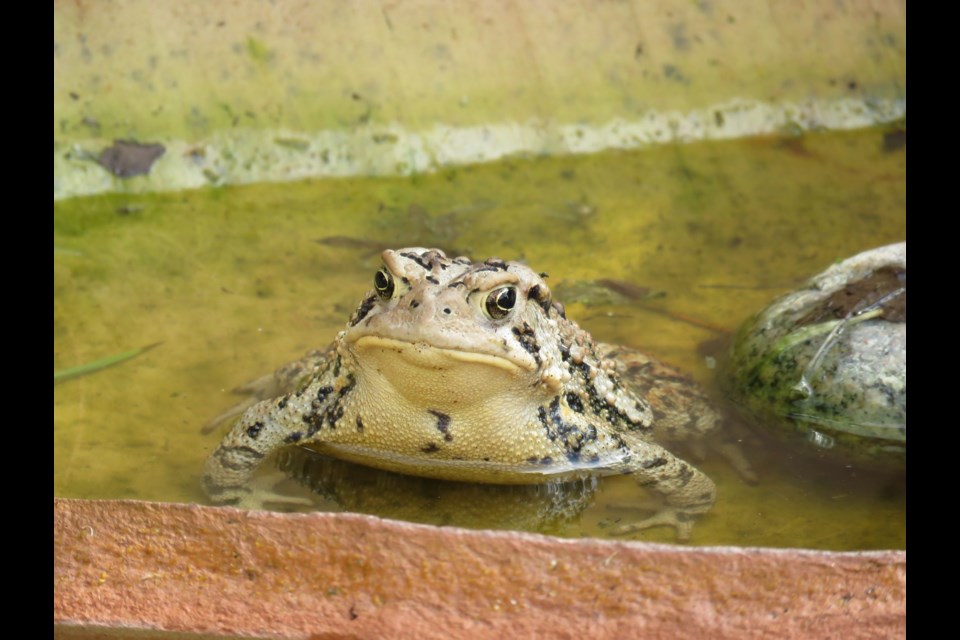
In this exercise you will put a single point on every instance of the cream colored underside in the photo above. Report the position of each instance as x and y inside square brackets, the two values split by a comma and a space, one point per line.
[486, 472]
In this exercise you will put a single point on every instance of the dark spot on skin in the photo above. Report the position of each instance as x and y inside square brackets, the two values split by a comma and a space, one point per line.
[542, 298]
[446, 310]
[252, 455]
[542, 417]
[528, 340]
[418, 259]
[414, 304]
[533, 459]
[546, 460]
[572, 436]
[363, 310]
[254, 430]
[283, 403]
[599, 405]
[443, 424]
[345, 389]
[457, 283]
[405, 280]
[659, 461]
[430, 448]
[314, 422]
[497, 264]
[293, 437]
[323, 392]
[574, 402]
[685, 475]
[333, 416]
[336, 367]
[432, 279]
[359, 424]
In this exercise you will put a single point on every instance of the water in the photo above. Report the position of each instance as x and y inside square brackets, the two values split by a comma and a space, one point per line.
[236, 281]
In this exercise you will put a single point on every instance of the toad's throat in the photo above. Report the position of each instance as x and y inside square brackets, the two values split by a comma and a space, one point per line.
[429, 356]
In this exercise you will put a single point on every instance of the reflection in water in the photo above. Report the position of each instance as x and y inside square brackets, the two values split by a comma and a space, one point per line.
[545, 508]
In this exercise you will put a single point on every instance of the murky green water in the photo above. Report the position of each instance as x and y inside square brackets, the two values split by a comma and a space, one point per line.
[235, 282]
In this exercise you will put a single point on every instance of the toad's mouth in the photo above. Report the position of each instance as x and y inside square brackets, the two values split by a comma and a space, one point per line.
[440, 358]
[443, 379]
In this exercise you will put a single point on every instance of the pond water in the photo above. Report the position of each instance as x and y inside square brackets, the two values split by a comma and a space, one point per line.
[686, 241]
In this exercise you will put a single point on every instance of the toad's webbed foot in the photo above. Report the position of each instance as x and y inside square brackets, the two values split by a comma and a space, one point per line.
[258, 493]
[686, 492]
[680, 519]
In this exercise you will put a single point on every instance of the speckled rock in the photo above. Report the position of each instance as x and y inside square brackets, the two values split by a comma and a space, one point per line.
[149, 570]
[826, 365]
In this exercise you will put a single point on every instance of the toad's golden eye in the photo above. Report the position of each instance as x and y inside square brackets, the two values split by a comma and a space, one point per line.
[383, 283]
[500, 302]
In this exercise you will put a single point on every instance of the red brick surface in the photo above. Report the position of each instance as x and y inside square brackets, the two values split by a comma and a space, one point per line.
[144, 570]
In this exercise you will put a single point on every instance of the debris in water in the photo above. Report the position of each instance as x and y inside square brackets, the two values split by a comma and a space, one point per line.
[126, 158]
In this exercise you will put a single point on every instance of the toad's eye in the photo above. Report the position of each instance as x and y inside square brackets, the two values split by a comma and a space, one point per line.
[383, 283]
[500, 302]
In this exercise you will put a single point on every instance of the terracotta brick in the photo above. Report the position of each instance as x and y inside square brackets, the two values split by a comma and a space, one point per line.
[144, 570]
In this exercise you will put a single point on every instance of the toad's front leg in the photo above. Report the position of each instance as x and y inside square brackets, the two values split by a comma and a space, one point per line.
[687, 492]
[299, 417]
[228, 471]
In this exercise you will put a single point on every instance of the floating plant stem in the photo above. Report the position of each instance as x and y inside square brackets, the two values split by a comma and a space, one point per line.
[97, 365]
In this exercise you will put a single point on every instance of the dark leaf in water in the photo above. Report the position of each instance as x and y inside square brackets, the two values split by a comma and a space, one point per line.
[626, 289]
[894, 140]
[859, 295]
[126, 158]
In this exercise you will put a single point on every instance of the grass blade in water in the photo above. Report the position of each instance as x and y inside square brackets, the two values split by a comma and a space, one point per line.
[97, 365]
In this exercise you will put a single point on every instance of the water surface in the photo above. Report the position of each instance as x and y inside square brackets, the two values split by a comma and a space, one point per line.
[233, 282]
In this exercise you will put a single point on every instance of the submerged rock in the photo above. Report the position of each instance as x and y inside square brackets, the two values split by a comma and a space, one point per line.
[826, 365]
